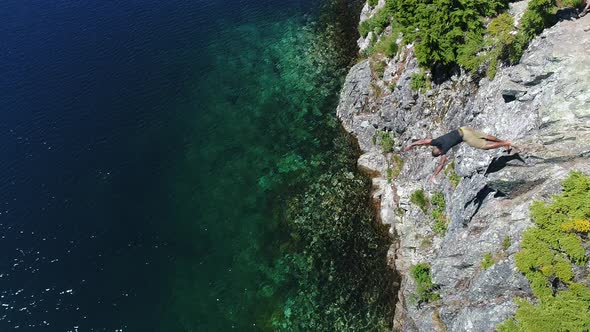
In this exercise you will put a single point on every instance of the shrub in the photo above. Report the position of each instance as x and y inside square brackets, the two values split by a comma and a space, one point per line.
[500, 28]
[419, 199]
[487, 261]
[500, 39]
[453, 32]
[439, 27]
[467, 54]
[547, 254]
[424, 289]
[491, 49]
[372, 3]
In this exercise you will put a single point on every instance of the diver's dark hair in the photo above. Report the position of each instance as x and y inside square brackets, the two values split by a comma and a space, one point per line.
[436, 152]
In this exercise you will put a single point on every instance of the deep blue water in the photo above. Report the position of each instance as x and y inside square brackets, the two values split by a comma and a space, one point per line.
[136, 143]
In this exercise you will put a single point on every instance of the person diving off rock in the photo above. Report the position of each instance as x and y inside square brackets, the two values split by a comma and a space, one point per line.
[476, 139]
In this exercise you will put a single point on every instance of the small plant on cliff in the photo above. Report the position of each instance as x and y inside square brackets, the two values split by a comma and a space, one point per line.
[438, 213]
[540, 14]
[570, 3]
[364, 28]
[379, 68]
[377, 90]
[419, 81]
[506, 242]
[548, 252]
[419, 199]
[487, 261]
[372, 3]
[387, 45]
[424, 286]
[399, 165]
[386, 141]
[389, 175]
[393, 173]
[376, 23]
[450, 173]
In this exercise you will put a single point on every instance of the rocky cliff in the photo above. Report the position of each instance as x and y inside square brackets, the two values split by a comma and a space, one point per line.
[542, 105]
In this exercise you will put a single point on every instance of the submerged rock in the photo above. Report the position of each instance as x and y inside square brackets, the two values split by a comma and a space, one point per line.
[542, 105]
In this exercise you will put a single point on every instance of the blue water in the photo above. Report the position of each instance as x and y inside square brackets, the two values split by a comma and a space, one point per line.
[147, 151]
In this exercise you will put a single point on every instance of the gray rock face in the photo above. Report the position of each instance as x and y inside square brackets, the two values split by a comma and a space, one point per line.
[542, 105]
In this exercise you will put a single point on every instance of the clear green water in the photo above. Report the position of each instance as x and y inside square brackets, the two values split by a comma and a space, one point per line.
[264, 131]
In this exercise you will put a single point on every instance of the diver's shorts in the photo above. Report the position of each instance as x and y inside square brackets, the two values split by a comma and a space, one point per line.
[473, 137]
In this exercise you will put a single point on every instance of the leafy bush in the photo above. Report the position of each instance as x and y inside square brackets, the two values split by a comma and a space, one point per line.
[487, 261]
[419, 199]
[372, 3]
[468, 54]
[424, 289]
[447, 32]
[501, 40]
[538, 16]
[440, 226]
[546, 258]
[492, 49]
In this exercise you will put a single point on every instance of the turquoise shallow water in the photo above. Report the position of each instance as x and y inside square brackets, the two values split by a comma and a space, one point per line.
[178, 166]
[266, 121]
